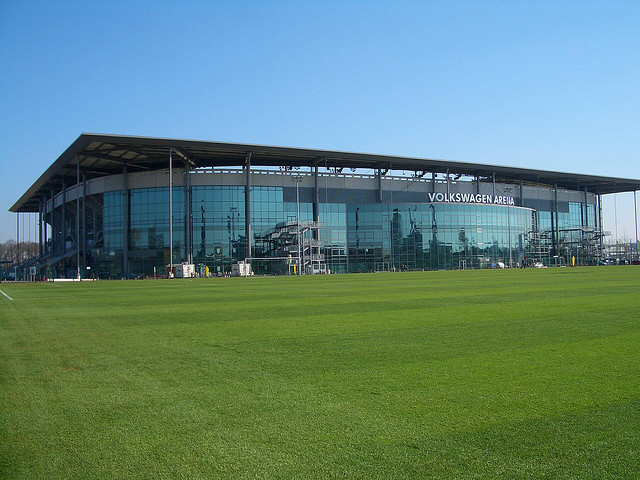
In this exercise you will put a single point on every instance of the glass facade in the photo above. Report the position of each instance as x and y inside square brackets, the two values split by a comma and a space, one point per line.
[354, 233]
[147, 236]
[436, 236]
[218, 225]
[107, 259]
[149, 228]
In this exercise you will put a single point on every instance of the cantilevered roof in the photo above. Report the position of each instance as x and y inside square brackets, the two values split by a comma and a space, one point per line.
[99, 155]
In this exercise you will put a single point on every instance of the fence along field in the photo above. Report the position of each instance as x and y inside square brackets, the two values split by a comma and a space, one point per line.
[490, 374]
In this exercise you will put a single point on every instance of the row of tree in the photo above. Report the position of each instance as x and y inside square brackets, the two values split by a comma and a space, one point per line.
[11, 252]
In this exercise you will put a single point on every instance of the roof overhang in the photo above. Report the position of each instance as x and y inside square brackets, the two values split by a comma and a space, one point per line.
[99, 155]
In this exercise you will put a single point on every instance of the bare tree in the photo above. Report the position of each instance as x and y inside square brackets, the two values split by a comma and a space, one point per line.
[9, 252]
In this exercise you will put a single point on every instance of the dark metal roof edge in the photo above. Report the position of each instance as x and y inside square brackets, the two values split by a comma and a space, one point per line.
[380, 158]
[53, 169]
[336, 157]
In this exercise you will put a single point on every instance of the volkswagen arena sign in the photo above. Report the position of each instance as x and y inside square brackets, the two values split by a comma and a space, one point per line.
[471, 198]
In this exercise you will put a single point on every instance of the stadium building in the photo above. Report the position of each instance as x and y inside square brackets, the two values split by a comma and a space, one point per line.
[123, 206]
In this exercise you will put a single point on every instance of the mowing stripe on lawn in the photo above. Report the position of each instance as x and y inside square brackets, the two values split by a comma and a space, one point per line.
[6, 295]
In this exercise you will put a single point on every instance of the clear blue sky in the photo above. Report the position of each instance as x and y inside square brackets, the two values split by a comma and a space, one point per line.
[549, 85]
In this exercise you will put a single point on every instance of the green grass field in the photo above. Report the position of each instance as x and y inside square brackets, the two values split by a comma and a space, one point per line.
[477, 374]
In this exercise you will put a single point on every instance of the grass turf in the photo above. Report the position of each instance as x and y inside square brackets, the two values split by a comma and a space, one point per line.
[480, 374]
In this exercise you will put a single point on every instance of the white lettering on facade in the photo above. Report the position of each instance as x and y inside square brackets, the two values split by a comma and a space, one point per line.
[440, 197]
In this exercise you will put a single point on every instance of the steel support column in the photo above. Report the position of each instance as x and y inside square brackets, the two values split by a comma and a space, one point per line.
[316, 196]
[188, 222]
[125, 221]
[64, 222]
[171, 209]
[586, 208]
[493, 180]
[247, 203]
[40, 252]
[379, 178]
[44, 224]
[84, 223]
[557, 223]
[635, 214]
[53, 230]
[583, 253]
[316, 201]
[600, 221]
[78, 216]
[17, 241]
[448, 185]
[521, 194]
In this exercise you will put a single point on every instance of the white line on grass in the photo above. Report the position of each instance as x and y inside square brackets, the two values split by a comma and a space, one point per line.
[6, 295]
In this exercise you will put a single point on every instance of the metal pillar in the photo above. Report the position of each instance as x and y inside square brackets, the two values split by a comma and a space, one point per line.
[557, 223]
[78, 216]
[447, 184]
[298, 222]
[521, 194]
[44, 224]
[585, 225]
[64, 222]
[17, 240]
[298, 179]
[493, 179]
[125, 221]
[478, 184]
[586, 208]
[316, 201]
[188, 221]
[84, 223]
[635, 213]
[94, 223]
[40, 215]
[247, 203]
[170, 209]
[379, 177]
[316, 196]
[600, 221]
[53, 230]
[615, 218]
